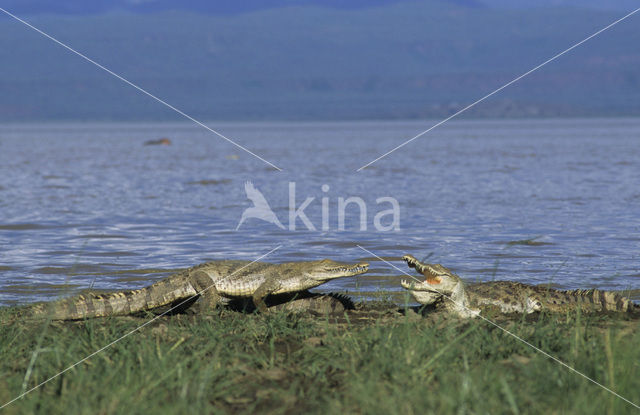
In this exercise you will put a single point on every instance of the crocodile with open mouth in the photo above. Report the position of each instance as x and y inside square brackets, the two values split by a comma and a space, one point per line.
[210, 283]
[444, 288]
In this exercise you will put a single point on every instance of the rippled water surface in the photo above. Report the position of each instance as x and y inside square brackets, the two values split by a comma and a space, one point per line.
[544, 201]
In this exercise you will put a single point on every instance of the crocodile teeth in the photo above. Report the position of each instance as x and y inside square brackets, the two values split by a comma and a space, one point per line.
[411, 261]
[427, 269]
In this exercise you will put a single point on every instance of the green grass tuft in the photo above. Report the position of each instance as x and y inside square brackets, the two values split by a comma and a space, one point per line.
[369, 361]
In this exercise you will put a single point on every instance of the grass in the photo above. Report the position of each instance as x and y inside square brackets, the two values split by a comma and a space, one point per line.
[371, 360]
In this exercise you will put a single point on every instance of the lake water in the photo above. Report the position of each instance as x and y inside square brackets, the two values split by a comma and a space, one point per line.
[89, 205]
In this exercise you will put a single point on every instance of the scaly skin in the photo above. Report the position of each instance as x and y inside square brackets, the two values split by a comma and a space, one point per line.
[506, 296]
[212, 282]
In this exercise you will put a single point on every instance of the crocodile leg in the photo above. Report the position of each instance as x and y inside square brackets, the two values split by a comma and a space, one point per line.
[266, 288]
[209, 296]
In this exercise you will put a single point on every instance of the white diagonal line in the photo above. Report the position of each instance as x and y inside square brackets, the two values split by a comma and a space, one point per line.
[501, 88]
[132, 331]
[139, 89]
[510, 333]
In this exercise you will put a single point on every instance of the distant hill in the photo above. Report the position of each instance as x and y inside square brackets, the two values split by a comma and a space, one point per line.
[399, 59]
[220, 7]
[82, 7]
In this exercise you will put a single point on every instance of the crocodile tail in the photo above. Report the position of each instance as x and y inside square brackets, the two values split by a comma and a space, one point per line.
[89, 305]
[606, 300]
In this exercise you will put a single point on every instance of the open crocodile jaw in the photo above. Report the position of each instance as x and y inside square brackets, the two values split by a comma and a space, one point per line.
[432, 277]
[414, 263]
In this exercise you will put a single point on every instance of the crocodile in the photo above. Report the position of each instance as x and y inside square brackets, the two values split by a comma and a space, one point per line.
[210, 283]
[443, 288]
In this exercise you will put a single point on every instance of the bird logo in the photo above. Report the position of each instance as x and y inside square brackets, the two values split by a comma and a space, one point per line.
[260, 209]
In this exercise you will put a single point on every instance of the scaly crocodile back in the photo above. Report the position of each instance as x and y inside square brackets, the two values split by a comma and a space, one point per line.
[517, 297]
